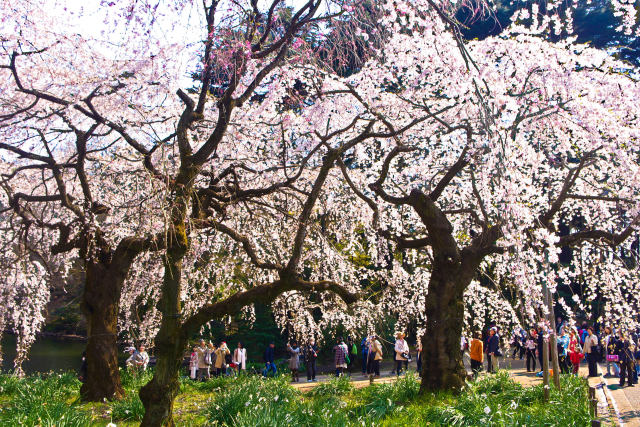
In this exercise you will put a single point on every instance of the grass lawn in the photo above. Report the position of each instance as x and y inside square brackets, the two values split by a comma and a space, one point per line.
[52, 400]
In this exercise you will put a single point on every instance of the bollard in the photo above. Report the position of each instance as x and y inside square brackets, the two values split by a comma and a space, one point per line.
[594, 407]
[592, 392]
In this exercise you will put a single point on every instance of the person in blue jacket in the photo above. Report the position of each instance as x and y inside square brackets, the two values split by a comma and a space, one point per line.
[269, 364]
[364, 351]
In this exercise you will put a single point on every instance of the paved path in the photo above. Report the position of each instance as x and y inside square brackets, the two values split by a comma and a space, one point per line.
[627, 400]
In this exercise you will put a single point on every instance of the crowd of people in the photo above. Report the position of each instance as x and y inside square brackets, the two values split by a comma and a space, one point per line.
[620, 352]
[207, 360]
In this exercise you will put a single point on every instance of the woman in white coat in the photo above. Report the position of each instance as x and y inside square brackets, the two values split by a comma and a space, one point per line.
[240, 357]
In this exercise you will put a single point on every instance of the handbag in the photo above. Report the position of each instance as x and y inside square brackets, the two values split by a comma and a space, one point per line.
[612, 357]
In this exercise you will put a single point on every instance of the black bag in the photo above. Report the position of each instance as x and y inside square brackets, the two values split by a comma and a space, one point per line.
[499, 352]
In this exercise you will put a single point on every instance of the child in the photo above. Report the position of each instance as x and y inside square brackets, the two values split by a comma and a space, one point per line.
[193, 363]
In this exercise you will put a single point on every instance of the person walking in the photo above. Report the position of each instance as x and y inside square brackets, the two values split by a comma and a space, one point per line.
[530, 351]
[340, 356]
[269, 366]
[493, 346]
[376, 350]
[575, 351]
[193, 363]
[609, 345]
[626, 360]
[221, 354]
[476, 354]
[294, 360]
[240, 357]
[563, 351]
[402, 353]
[209, 356]
[364, 351]
[353, 354]
[591, 351]
[539, 344]
[310, 356]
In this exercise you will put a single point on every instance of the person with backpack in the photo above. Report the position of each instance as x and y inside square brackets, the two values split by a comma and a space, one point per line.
[376, 351]
[353, 354]
[341, 357]
[402, 353]
[563, 351]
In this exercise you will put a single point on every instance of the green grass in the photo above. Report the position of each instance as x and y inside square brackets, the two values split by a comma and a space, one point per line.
[52, 400]
[42, 400]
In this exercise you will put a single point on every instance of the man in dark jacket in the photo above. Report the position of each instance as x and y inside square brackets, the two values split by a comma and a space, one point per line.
[492, 349]
[310, 352]
[539, 344]
[269, 365]
[625, 359]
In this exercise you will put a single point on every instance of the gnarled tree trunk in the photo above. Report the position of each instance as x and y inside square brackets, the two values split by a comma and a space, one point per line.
[159, 394]
[100, 304]
[442, 367]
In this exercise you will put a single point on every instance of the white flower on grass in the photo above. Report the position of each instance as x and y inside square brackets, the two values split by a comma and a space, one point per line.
[111, 425]
[546, 387]
[275, 399]
[487, 410]
[514, 405]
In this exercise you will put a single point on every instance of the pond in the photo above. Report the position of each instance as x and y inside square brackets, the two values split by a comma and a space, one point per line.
[46, 354]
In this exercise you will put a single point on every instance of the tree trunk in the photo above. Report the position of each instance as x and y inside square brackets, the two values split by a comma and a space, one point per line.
[101, 297]
[545, 369]
[170, 343]
[442, 367]
[159, 394]
[553, 339]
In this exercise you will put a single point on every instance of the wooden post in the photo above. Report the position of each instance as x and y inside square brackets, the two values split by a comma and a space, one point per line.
[593, 402]
[553, 341]
[545, 369]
